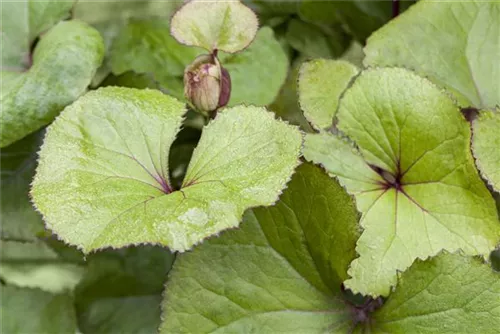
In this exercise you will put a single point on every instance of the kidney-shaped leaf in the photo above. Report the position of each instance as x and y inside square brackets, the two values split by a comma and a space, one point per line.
[446, 294]
[281, 272]
[455, 44]
[414, 179]
[218, 24]
[102, 178]
[64, 63]
[486, 146]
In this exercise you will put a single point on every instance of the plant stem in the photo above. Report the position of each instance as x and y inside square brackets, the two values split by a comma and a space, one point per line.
[395, 8]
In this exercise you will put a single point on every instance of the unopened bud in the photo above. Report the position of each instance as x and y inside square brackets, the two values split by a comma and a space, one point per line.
[207, 85]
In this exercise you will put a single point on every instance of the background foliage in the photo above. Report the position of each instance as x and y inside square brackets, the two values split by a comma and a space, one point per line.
[285, 268]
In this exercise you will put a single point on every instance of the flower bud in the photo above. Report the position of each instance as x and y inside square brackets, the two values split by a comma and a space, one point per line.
[207, 85]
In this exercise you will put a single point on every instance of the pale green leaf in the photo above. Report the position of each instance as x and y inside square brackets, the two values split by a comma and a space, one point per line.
[258, 72]
[64, 63]
[486, 146]
[447, 294]
[21, 22]
[215, 25]
[110, 185]
[280, 272]
[145, 46]
[455, 44]
[321, 83]
[35, 311]
[414, 179]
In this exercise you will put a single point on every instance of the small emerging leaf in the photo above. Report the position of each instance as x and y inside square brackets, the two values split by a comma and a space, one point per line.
[215, 25]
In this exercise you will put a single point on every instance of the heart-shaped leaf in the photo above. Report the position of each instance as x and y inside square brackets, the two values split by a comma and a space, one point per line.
[455, 44]
[215, 25]
[64, 63]
[414, 177]
[110, 185]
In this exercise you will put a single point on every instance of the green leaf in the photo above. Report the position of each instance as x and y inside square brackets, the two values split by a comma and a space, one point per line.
[272, 8]
[111, 17]
[321, 83]
[414, 177]
[110, 185]
[34, 311]
[313, 41]
[21, 23]
[486, 146]
[280, 272]
[145, 46]
[258, 72]
[131, 271]
[110, 12]
[286, 104]
[121, 290]
[447, 294]
[215, 25]
[20, 222]
[131, 315]
[35, 265]
[455, 44]
[64, 63]
[360, 17]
